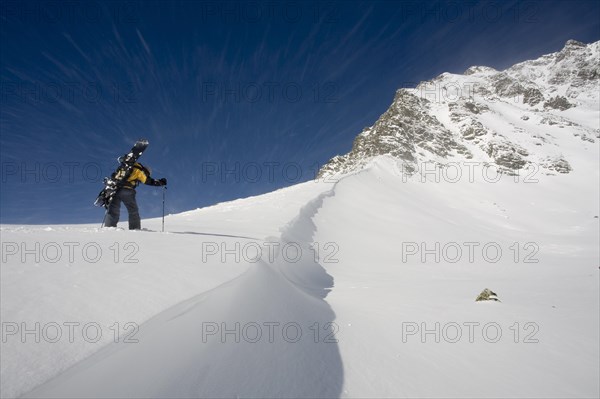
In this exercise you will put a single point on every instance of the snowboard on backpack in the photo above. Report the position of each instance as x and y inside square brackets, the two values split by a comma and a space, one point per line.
[113, 183]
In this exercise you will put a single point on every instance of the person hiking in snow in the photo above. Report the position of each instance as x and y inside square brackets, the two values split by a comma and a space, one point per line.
[126, 194]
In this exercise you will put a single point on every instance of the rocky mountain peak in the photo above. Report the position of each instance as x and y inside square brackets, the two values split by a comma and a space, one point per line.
[525, 116]
[574, 43]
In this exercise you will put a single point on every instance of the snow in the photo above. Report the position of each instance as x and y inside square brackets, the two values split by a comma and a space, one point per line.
[357, 286]
[137, 275]
[351, 322]
[376, 295]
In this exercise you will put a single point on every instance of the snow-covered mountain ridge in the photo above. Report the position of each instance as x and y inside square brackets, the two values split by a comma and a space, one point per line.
[540, 114]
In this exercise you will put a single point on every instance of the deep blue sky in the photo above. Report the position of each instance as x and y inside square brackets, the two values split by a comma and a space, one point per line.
[275, 88]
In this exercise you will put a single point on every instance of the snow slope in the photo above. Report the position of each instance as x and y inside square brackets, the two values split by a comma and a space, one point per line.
[382, 295]
[136, 276]
[358, 320]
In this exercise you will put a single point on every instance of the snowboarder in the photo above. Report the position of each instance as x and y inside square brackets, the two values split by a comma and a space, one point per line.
[126, 194]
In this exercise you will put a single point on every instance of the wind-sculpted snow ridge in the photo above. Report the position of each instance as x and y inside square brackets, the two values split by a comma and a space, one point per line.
[267, 333]
[309, 274]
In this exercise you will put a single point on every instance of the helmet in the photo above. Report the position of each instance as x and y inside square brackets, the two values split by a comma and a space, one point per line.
[148, 169]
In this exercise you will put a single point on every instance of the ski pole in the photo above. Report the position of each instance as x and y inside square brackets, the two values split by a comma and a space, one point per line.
[163, 215]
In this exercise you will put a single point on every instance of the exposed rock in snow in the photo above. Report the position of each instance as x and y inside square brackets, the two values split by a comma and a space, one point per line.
[511, 118]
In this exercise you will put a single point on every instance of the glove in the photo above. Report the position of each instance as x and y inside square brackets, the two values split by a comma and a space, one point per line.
[152, 182]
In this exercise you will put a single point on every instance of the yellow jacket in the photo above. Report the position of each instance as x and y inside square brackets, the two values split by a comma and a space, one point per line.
[139, 174]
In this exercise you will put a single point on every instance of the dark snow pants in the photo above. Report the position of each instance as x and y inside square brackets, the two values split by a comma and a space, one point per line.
[127, 196]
